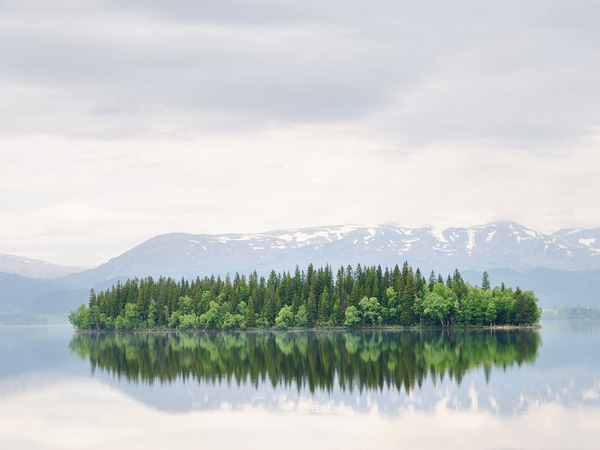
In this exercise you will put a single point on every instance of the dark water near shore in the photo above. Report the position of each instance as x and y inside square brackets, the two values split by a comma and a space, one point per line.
[407, 389]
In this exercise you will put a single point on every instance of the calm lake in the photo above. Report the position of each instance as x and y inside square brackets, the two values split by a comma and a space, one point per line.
[370, 389]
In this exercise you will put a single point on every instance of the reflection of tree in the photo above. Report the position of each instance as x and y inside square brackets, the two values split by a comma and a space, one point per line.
[367, 360]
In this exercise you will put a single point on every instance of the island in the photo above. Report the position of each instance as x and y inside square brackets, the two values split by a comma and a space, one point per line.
[313, 298]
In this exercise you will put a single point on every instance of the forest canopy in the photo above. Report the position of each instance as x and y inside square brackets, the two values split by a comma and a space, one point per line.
[352, 297]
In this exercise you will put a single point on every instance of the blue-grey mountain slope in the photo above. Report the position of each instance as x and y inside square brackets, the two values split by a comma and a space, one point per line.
[553, 287]
[34, 300]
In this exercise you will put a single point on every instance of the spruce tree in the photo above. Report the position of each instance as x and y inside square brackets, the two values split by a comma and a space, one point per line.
[311, 309]
[519, 308]
[323, 316]
[250, 311]
[419, 281]
[407, 315]
[431, 283]
[485, 282]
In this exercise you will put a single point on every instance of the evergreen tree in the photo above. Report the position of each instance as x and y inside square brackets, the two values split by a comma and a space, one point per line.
[311, 309]
[268, 311]
[250, 311]
[407, 315]
[485, 282]
[519, 307]
[431, 283]
[419, 281]
[324, 309]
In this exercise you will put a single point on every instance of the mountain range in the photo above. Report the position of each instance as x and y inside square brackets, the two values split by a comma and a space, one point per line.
[562, 267]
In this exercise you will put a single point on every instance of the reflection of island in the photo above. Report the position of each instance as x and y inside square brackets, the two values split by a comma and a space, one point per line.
[324, 360]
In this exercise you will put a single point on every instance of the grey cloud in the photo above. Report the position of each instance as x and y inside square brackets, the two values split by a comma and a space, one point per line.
[332, 83]
[521, 73]
[256, 12]
[110, 109]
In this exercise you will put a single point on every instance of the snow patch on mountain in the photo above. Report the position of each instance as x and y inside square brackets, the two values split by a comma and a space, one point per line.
[471, 241]
[438, 233]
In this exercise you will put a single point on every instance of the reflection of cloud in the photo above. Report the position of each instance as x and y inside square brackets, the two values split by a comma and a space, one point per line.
[592, 393]
[87, 414]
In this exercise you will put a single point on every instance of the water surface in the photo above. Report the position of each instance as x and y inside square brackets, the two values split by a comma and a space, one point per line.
[408, 389]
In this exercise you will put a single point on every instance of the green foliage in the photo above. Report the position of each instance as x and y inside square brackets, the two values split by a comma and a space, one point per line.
[122, 323]
[366, 296]
[353, 317]
[285, 318]
[81, 318]
[437, 308]
[301, 319]
[371, 309]
[189, 322]
[392, 299]
[153, 314]
[175, 320]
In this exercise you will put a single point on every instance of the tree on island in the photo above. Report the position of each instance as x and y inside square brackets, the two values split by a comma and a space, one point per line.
[366, 296]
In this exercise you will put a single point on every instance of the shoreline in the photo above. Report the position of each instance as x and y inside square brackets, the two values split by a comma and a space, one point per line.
[536, 326]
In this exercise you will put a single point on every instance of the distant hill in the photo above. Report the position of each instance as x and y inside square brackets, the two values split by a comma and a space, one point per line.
[33, 268]
[562, 267]
[31, 300]
[553, 287]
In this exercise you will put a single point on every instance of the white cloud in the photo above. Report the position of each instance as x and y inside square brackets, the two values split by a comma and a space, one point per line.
[166, 116]
[97, 201]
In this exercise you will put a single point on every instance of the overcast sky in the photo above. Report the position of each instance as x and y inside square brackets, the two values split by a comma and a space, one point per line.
[124, 119]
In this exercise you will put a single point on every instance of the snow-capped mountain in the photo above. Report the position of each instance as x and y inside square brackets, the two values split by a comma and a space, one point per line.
[589, 239]
[494, 245]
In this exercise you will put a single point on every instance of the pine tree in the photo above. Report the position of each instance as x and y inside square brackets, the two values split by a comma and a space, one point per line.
[485, 282]
[337, 313]
[268, 311]
[431, 283]
[407, 315]
[250, 311]
[519, 308]
[323, 316]
[311, 309]
[419, 281]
